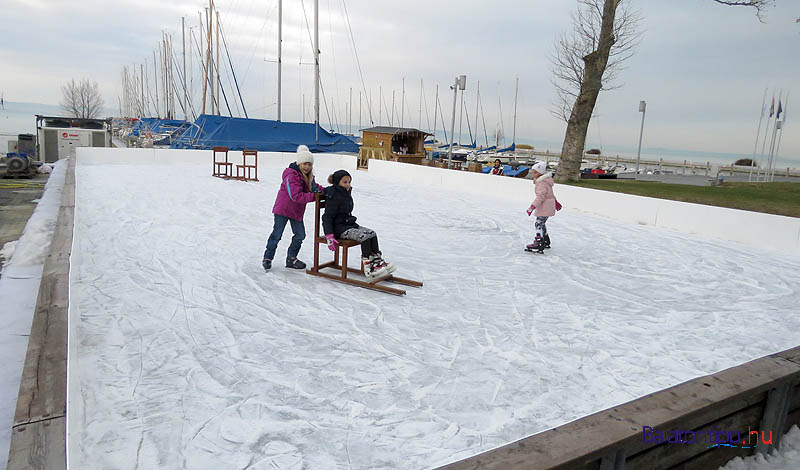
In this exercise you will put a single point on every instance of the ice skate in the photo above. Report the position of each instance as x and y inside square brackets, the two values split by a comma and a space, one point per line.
[537, 246]
[295, 263]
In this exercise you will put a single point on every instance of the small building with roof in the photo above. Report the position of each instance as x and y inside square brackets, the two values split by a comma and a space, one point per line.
[399, 144]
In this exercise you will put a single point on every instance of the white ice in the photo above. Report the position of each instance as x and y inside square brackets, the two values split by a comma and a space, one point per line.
[189, 355]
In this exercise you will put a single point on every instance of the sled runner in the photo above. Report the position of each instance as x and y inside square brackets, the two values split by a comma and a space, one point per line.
[342, 268]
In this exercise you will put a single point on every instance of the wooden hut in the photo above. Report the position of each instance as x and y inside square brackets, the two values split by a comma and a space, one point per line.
[399, 144]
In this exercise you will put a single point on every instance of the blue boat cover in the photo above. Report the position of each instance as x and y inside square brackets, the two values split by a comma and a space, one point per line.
[259, 134]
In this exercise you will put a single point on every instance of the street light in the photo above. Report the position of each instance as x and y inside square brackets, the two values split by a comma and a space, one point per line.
[642, 108]
[460, 84]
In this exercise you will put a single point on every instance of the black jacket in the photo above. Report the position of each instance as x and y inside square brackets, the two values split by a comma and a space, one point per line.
[338, 215]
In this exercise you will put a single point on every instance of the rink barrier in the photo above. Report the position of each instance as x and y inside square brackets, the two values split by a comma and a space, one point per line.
[38, 435]
[126, 156]
[764, 231]
[760, 395]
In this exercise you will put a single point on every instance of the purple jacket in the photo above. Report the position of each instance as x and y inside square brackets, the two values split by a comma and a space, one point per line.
[293, 194]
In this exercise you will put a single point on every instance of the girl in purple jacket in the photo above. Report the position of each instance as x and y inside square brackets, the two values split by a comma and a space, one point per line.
[297, 189]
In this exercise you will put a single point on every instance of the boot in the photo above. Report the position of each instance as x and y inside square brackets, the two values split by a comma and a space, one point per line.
[537, 245]
[378, 257]
[366, 263]
[267, 263]
[295, 263]
[379, 268]
[546, 241]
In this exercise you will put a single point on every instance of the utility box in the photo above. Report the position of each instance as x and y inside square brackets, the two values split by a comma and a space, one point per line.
[58, 137]
[26, 143]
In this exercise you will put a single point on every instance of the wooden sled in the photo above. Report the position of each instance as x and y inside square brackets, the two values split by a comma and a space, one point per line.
[342, 268]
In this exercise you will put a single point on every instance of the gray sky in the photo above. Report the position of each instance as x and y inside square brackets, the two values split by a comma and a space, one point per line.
[701, 67]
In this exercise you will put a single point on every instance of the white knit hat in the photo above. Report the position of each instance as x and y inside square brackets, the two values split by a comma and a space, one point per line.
[540, 167]
[304, 155]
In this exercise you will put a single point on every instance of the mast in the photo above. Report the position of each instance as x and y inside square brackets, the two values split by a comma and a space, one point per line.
[280, 42]
[477, 100]
[514, 132]
[435, 104]
[155, 81]
[403, 102]
[217, 68]
[420, 104]
[183, 53]
[208, 59]
[316, 71]
[350, 113]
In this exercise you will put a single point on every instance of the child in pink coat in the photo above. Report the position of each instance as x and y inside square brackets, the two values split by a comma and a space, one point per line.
[544, 206]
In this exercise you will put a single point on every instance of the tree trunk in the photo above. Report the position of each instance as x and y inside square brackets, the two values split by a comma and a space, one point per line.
[578, 124]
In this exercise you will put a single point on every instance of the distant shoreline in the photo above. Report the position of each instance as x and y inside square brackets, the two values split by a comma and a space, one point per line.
[18, 118]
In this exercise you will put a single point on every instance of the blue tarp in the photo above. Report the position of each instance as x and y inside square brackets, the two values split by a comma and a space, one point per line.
[259, 134]
[158, 126]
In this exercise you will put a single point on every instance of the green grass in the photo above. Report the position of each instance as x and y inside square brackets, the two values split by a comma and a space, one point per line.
[772, 198]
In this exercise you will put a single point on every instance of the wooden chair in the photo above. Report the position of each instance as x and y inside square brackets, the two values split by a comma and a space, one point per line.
[343, 268]
[222, 169]
[243, 171]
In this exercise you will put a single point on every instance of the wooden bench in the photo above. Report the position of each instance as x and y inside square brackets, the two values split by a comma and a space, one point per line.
[343, 268]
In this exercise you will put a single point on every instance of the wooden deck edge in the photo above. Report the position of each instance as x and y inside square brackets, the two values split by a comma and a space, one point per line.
[38, 437]
[583, 443]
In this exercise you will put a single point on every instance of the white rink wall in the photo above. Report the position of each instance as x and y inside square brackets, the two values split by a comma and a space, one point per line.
[764, 231]
[105, 156]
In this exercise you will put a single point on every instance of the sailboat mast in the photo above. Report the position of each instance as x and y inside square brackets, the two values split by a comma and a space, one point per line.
[280, 43]
[316, 71]
[514, 132]
[477, 100]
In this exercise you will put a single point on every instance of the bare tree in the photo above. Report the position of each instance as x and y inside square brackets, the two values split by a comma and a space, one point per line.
[81, 99]
[586, 61]
[760, 5]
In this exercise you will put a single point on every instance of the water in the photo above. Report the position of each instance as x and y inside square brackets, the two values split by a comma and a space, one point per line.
[651, 153]
[20, 118]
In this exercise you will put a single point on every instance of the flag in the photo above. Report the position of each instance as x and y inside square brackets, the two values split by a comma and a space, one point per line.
[778, 114]
[772, 107]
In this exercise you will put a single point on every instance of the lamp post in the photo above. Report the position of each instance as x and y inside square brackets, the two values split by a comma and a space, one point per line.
[642, 109]
[460, 84]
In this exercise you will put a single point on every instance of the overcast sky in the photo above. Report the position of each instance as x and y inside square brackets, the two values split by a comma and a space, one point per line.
[701, 67]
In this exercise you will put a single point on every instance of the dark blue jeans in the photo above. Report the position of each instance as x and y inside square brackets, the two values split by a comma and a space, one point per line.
[298, 229]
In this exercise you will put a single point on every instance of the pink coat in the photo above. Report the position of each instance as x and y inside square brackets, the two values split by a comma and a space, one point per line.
[294, 194]
[545, 201]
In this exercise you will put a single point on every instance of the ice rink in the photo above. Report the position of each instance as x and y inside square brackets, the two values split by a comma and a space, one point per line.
[188, 355]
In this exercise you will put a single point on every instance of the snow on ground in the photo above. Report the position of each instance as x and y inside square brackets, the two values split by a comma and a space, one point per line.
[786, 458]
[19, 288]
[189, 355]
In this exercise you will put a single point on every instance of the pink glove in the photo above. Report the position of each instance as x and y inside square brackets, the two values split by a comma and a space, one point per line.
[332, 243]
[530, 209]
[558, 205]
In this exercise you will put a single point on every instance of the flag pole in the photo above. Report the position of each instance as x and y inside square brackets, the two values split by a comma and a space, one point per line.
[766, 131]
[772, 141]
[783, 124]
[758, 133]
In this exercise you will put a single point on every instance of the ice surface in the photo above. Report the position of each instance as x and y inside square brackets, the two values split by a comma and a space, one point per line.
[191, 356]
